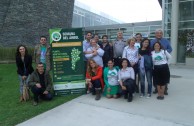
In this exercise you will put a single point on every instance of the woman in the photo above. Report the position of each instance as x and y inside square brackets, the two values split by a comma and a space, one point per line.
[111, 80]
[161, 72]
[94, 78]
[131, 53]
[126, 79]
[108, 50]
[24, 67]
[96, 52]
[145, 67]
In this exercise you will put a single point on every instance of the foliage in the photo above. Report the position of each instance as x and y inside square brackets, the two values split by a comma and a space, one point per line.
[8, 53]
[12, 111]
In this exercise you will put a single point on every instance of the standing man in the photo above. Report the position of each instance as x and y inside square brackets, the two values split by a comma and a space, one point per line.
[41, 84]
[86, 45]
[118, 47]
[42, 53]
[166, 46]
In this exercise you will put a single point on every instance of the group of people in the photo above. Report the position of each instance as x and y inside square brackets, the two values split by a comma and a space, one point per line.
[116, 68]
[38, 80]
[112, 68]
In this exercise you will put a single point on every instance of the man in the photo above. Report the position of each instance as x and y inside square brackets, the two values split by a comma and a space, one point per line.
[138, 38]
[41, 84]
[96, 37]
[166, 46]
[42, 53]
[86, 45]
[118, 47]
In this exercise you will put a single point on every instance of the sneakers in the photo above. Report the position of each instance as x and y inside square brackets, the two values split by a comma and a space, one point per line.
[148, 95]
[141, 95]
[35, 103]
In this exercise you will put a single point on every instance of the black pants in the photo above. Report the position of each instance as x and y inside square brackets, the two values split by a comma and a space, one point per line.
[95, 84]
[130, 86]
[136, 70]
[39, 92]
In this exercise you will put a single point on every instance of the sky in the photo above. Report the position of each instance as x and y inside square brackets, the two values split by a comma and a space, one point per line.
[128, 10]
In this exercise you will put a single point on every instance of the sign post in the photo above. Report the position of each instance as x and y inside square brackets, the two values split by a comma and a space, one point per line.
[67, 61]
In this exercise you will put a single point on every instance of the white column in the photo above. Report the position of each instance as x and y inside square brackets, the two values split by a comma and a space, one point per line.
[174, 30]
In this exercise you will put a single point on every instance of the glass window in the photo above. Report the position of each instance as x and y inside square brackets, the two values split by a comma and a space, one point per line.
[186, 10]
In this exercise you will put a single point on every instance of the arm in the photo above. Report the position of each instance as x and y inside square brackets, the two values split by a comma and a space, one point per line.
[32, 80]
[168, 56]
[105, 76]
[169, 48]
[98, 74]
[49, 83]
[100, 52]
[132, 74]
[18, 66]
[124, 53]
[88, 55]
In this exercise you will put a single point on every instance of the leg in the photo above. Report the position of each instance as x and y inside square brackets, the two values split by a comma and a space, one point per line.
[97, 86]
[21, 87]
[142, 82]
[36, 92]
[149, 80]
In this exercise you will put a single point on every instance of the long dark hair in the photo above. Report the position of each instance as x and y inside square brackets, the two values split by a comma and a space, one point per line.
[141, 44]
[128, 63]
[18, 52]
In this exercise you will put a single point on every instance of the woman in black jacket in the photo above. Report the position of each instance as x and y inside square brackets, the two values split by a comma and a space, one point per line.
[24, 66]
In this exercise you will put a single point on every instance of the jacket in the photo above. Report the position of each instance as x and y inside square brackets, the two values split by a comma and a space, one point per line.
[28, 65]
[37, 52]
[98, 76]
[108, 53]
[34, 78]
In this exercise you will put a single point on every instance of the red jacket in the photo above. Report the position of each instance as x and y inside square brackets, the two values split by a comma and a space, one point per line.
[98, 76]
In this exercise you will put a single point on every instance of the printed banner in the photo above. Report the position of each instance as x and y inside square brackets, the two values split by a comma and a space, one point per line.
[67, 61]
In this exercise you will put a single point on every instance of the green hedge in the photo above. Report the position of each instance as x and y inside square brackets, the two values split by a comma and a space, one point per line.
[8, 54]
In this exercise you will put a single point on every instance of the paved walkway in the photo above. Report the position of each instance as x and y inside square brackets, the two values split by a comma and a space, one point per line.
[177, 109]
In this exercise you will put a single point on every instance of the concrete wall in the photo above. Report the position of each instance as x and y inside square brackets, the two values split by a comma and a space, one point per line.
[24, 21]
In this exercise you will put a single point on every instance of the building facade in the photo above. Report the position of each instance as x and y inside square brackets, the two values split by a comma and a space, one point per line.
[84, 16]
[147, 29]
[178, 26]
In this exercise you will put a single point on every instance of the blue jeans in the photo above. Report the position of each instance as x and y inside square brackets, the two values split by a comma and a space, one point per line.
[22, 82]
[148, 74]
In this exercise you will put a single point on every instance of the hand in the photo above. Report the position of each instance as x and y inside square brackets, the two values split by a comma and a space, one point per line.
[45, 92]
[123, 88]
[38, 85]
[94, 53]
[24, 77]
[132, 64]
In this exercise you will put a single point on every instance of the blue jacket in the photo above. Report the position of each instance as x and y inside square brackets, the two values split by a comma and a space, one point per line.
[164, 42]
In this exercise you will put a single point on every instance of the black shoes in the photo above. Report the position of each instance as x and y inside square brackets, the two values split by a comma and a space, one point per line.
[160, 97]
[130, 98]
[165, 92]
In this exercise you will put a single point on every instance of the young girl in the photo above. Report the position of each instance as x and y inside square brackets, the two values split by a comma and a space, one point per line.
[161, 73]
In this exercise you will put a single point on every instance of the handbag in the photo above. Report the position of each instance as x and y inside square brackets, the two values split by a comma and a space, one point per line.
[26, 92]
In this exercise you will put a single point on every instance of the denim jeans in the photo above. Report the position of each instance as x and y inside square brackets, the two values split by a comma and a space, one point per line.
[148, 74]
[22, 82]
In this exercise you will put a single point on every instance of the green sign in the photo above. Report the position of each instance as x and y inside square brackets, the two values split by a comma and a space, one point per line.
[67, 61]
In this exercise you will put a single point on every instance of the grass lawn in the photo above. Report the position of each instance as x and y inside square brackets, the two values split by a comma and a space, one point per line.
[12, 111]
